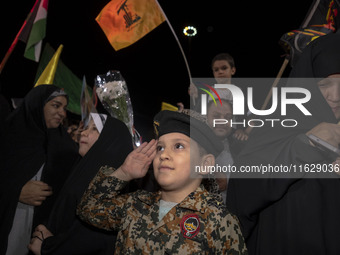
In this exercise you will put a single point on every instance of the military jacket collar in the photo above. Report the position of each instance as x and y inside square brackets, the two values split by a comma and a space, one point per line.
[192, 202]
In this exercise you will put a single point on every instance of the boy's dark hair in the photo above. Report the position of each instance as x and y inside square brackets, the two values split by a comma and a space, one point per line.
[224, 56]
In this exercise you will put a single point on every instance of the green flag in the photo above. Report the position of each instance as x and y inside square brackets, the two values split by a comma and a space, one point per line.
[64, 78]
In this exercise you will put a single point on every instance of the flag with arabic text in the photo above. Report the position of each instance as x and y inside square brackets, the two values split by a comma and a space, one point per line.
[126, 21]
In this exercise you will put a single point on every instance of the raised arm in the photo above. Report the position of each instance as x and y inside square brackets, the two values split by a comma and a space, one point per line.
[102, 205]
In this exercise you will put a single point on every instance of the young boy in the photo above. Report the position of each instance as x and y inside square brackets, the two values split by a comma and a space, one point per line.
[183, 217]
[223, 68]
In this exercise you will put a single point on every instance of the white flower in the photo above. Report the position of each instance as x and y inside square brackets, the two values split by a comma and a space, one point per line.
[115, 89]
[112, 91]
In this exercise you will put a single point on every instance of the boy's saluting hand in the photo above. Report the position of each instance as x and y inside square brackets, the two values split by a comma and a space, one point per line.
[137, 162]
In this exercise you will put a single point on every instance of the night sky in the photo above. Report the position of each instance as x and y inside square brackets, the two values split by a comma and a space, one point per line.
[153, 67]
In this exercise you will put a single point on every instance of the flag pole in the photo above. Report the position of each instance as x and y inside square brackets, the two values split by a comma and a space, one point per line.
[16, 39]
[179, 44]
[14, 43]
[269, 95]
[279, 75]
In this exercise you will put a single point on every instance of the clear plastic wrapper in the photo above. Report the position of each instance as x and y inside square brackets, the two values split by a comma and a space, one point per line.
[113, 93]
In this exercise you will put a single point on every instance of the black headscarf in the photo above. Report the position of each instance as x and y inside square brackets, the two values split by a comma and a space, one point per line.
[70, 234]
[26, 144]
[294, 215]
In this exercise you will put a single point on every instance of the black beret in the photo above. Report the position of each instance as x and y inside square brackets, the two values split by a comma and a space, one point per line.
[189, 123]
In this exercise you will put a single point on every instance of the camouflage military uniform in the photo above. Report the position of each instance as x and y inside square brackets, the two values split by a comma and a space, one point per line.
[200, 224]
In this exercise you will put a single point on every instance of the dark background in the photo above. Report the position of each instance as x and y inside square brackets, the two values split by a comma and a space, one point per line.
[153, 67]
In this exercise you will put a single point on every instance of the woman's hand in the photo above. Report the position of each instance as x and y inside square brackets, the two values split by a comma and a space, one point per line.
[34, 193]
[39, 235]
[328, 132]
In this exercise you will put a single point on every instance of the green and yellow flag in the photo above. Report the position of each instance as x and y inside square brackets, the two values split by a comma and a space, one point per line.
[63, 77]
[47, 76]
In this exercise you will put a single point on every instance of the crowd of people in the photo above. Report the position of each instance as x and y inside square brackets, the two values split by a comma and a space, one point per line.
[87, 189]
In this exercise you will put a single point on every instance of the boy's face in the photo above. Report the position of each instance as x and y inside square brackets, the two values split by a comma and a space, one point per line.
[172, 162]
[223, 71]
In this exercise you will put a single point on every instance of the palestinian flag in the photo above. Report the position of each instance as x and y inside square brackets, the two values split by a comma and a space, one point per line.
[38, 32]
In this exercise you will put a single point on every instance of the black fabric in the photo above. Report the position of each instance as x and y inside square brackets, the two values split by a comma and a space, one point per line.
[71, 236]
[5, 110]
[189, 123]
[26, 144]
[293, 215]
[235, 145]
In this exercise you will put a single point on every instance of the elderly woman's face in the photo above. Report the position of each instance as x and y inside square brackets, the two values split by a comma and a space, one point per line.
[87, 138]
[55, 111]
[330, 89]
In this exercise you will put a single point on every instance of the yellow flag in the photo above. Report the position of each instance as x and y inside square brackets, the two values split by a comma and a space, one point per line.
[126, 21]
[169, 107]
[47, 76]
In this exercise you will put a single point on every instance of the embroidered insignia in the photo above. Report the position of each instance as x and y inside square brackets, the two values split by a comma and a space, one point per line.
[156, 127]
[190, 225]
